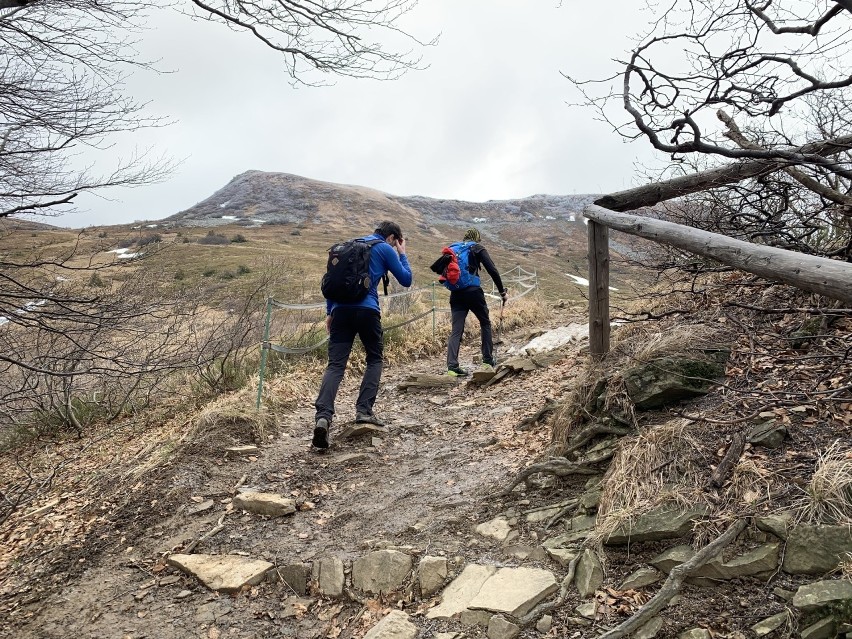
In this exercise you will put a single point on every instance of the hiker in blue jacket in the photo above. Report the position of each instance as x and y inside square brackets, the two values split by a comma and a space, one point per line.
[472, 298]
[344, 321]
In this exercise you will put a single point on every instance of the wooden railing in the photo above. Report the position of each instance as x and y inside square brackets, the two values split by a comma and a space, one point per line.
[831, 278]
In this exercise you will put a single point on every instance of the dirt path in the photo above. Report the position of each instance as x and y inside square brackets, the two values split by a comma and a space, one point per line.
[424, 485]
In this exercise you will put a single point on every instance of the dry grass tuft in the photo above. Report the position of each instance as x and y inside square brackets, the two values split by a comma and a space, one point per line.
[650, 469]
[828, 495]
[575, 407]
[638, 344]
[228, 421]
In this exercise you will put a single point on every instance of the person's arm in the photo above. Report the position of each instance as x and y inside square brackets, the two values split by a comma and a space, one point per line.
[397, 264]
[486, 261]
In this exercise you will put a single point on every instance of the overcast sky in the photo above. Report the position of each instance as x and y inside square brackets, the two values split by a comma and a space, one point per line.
[488, 119]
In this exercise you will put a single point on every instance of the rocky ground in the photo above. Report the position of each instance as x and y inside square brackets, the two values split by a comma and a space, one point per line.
[404, 527]
[423, 485]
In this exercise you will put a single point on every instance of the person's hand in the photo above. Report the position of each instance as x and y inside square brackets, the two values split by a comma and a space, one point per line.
[504, 296]
[400, 246]
[328, 324]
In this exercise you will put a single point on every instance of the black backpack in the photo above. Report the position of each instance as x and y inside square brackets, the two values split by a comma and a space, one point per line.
[347, 276]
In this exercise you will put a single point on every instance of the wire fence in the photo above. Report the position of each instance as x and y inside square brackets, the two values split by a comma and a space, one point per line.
[305, 322]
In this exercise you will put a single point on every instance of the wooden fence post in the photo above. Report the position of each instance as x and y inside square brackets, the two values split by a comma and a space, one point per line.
[598, 289]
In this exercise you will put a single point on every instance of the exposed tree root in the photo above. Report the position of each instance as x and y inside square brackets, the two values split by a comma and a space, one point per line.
[593, 430]
[674, 581]
[547, 606]
[567, 508]
[528, 422]
[558, 466]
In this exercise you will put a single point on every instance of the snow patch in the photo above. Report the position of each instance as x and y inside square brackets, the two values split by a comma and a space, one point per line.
[549, 217]
[582, 281]
[230, 217]
[479, 220]
[554, 339]
[123, 253]
[224, 204]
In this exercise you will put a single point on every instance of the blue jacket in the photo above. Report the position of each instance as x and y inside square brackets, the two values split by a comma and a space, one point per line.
[383, 258]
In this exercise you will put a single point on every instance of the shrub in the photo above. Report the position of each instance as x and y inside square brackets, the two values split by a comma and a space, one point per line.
[180, 275]
[242, 269]
[208, 272]
[149, 239]
[95, 280]
[214, 238]
[239, 238]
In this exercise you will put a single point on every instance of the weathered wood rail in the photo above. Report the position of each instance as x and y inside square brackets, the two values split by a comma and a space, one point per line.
[831, 278]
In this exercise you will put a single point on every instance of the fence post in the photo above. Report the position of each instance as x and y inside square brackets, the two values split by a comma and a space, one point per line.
[434, 312]
[264, 350]
[598, 289]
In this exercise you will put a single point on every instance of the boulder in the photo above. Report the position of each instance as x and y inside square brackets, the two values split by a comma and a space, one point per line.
[642, 577]
[497, 529]
[589, 575]
[823, 629]
[327, 572]
[770, 624]
[669, 379]
[501, 628]
[650, 629]
[295, 576]
[381, 571]
[432, 572]
[816, 595]
[394, 625]
[667, 521]
[816, 550]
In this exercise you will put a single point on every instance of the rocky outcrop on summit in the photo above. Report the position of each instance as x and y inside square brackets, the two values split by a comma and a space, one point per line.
[281, 198]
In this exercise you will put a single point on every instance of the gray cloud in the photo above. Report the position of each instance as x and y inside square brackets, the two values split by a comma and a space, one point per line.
[487, 120]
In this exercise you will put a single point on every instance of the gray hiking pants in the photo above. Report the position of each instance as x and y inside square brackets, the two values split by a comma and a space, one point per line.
[346, 323]
[471, 299]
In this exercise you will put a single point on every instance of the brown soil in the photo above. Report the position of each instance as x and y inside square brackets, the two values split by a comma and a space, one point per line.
[436, 474]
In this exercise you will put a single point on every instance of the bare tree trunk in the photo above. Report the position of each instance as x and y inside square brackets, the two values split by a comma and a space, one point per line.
[651, 194]
[831, 278]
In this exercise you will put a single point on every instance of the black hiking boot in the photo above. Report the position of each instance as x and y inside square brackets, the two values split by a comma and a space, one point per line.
[368, 418]
[456, 371]
[321, 439]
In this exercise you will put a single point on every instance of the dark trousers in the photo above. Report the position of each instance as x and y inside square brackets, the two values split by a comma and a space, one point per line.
[346, 323]
[469, 299]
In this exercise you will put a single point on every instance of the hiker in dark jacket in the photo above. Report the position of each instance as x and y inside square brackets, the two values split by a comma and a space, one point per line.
[472, 298]
[345, 321]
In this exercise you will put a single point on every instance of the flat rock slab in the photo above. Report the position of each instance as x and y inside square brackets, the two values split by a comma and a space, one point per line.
[498, 529]
[360, 430]
[514, 591]
[268, 504]
[394, 625]
[822, 593]
[816, 550]
[351, 458]
[461, 591]
[226, 573]
[381, 571]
